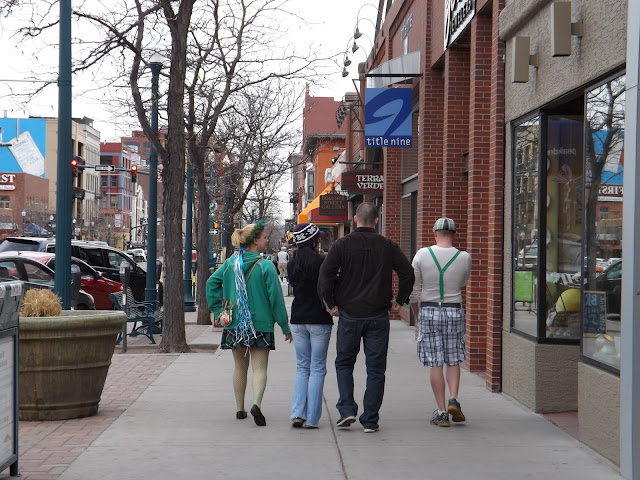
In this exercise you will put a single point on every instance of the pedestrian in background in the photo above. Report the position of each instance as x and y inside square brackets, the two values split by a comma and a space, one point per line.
[250, 288]
[310, 325]
[440, 273]
[356, 284]
[283, 259]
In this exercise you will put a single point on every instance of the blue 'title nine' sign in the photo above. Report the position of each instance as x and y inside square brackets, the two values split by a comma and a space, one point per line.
[387, 117]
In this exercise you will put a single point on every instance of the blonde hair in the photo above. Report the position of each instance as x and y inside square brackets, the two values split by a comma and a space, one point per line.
[243, 236]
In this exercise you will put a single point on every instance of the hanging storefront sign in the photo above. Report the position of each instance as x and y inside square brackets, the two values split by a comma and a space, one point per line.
[333, 204]
[457, 15]
[387, 117]
[363, 181]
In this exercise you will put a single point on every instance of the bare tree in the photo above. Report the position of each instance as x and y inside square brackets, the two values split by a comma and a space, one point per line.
[604, 140]
[225, 88]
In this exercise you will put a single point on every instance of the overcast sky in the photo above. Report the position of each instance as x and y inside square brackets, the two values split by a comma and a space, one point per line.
[330, 25]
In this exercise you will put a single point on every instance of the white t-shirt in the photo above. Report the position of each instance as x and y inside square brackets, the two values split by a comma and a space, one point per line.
[426, 287]
[283, 257]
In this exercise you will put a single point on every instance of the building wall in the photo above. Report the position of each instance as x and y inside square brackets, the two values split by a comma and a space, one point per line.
[29, 194]
[601, 49]
[550, 377]
[541, 377]
[459, 156]
[599, 410]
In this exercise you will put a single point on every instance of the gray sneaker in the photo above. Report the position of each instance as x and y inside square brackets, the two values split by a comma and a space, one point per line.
[440, 419]
[455, 411]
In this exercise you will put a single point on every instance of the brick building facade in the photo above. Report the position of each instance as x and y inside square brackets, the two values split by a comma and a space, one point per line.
[455, 166]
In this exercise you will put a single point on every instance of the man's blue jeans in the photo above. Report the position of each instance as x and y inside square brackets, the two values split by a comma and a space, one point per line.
[311, 343]
[374, 332]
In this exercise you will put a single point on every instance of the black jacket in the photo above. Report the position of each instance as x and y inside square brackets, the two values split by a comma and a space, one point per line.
[357, 274]
[307, 306]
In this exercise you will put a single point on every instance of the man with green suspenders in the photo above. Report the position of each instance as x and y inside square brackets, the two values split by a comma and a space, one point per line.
[440, 273]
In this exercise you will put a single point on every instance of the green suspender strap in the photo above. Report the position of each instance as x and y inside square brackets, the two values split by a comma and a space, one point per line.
[442, 270]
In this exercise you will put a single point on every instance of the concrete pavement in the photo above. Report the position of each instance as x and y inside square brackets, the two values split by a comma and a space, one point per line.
[183, 425]
[168, 416]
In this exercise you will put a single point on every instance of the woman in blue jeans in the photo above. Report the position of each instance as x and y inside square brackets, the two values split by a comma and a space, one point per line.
[311, 327]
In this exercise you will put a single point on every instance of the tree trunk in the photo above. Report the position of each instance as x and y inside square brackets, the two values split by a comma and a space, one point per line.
[173, 331]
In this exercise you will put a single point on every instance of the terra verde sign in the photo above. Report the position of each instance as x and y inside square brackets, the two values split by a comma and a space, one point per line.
[363, 181]
[387, 117]
[457, 15]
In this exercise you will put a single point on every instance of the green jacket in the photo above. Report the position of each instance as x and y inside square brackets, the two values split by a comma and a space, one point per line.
[263, 288]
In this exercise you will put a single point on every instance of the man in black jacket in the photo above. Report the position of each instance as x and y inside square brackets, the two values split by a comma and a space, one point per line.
[356, 284]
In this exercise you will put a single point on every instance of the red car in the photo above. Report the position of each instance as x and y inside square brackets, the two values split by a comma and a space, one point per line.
[93, 282]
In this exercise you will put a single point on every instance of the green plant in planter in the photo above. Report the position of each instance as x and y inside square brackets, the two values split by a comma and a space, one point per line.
[40, 303]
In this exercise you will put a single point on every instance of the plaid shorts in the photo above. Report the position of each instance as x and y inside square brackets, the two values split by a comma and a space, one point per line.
[441, 337]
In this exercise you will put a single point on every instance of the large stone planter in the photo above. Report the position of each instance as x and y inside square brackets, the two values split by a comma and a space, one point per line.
[64, 363]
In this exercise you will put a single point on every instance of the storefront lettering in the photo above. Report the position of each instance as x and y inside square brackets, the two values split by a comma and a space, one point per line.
[333, 204]
[363, 181]
[561, 151]
[611, 190]
[388, 142]
[457, 14]
[7, 177]
[370, 182]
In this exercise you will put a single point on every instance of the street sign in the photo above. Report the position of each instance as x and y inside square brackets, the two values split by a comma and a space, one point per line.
[213, 231]
[105, 168]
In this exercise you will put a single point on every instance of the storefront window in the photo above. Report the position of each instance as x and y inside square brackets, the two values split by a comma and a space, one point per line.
[602, 270]
[563, 237]
[526, 222]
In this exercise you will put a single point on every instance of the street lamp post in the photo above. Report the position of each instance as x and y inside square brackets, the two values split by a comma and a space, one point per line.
[62, 278]
[24, 214]
[189, 302]
[150, 293]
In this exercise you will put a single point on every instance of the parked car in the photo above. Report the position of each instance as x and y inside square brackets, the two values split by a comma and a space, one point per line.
[107, 260]
[33, 274]
[92, 282]
[138, 255]
[610, 281]
[97, 254]
[22, 244]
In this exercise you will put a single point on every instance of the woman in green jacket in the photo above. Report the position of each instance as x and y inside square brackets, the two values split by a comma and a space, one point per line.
[251, 288]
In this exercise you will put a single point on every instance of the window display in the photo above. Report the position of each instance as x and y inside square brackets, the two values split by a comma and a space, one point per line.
[603, 189]
[526, 225]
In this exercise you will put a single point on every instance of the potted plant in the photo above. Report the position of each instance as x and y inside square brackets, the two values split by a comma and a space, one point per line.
[64, 357]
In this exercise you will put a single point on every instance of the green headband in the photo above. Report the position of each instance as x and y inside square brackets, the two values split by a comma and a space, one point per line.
[255, 233]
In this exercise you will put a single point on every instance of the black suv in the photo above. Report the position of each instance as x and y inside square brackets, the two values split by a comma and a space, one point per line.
[99, 255]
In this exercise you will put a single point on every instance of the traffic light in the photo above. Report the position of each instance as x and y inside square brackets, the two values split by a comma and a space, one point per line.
[134, 173]
[215, 224]
[74, 168]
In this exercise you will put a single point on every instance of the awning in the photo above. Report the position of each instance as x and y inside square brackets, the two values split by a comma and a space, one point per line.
[311, 213]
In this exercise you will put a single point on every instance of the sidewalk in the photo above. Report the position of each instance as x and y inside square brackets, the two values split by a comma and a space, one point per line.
[183, 425]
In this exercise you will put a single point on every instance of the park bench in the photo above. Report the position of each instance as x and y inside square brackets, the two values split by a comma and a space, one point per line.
[147, 314]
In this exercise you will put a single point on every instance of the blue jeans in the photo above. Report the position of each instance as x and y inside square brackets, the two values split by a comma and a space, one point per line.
[311, 342]
[374, 332]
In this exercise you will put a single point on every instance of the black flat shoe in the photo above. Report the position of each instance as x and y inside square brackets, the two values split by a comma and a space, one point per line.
[240, 414]
[258, 417]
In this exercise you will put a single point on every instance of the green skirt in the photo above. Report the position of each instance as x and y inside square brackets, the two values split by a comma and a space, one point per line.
[261, 340]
